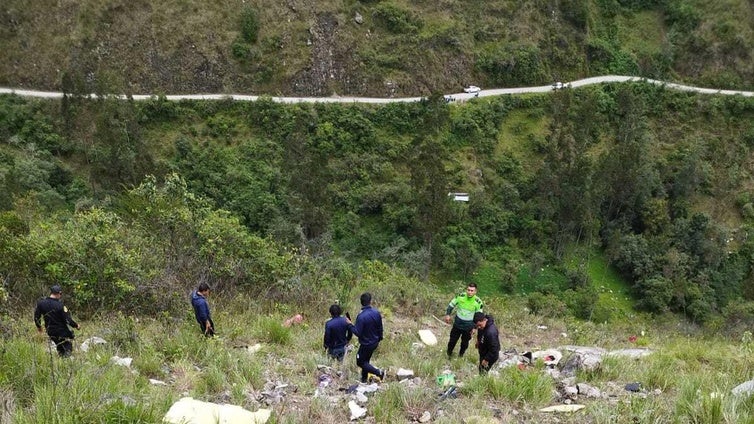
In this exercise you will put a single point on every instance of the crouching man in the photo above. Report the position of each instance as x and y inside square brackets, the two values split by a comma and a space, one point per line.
[488, 341]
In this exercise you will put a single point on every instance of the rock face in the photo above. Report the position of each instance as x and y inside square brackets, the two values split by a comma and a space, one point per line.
[192, 411]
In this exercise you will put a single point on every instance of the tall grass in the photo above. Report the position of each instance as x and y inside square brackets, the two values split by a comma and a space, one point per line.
[685, 380]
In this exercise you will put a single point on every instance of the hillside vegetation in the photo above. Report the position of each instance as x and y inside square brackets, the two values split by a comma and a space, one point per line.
[278, 199]
[375, 47]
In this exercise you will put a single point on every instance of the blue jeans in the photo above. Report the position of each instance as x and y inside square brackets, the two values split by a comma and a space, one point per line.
[337, 353]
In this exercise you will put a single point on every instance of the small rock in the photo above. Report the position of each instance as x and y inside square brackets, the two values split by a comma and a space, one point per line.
[125, 362]
[358, 18]
[588, 391]
[92, 341]
[403, 374]
[426, 416]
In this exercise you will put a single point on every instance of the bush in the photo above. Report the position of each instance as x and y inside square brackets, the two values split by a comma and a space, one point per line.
[396, 19]
[249, 25]
[546, 305]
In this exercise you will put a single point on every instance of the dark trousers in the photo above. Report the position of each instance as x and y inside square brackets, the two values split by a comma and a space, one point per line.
[455, 334]
[362, 361]
[337, 353]
[63, 345]
[209, 333]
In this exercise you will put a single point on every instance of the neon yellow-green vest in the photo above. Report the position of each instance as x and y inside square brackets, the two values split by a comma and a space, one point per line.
[465, 308]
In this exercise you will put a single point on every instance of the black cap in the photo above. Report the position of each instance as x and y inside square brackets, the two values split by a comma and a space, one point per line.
[56, 289]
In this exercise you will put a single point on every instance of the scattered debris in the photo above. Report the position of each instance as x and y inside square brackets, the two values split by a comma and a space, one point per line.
[446, 379]
[356, 411]
[563, 408]
[125, 362]
[367, 388]
[92, 341]
[550, 357]
[542, 327]
[360, 398]
[449, 393]
[189, 410]
[427, 337]
[633, 387]
[154, 382]
[746, 388]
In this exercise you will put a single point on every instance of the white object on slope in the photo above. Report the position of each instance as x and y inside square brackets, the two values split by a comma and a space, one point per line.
[563, 408]
[91, 341]
[427, 337]
[124, 362]
[191, 411]
[356, 411]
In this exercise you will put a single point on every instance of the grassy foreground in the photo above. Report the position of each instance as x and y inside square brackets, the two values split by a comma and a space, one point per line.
[688, 378]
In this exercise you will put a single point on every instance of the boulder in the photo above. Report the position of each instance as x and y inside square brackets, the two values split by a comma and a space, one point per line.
[427, 337]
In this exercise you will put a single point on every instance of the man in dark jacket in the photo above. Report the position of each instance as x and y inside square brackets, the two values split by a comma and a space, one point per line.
[337, 334]
[369, 330]
[201, 309]
[488, 341]
[57, 318]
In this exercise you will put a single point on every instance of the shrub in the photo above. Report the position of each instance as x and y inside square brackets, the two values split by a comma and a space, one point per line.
[514, 385]
[545, 304]
[271, 330]
[396, 19]
[249, 23]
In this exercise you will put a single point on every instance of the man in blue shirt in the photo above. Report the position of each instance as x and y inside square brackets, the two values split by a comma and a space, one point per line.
[369, 330]
[337, 334]
[201, 309]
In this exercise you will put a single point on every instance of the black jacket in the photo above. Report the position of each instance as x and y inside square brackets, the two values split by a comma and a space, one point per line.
[489, 342]
[337, 333]
[56, 317]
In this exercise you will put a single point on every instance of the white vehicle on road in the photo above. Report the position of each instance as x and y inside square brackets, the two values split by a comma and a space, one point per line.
[557, 85]
[472, 89]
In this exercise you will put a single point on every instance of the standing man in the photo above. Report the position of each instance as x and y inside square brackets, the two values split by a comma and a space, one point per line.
[337, 334]
[201, 309]
[465, 304]
[57, 318]
[488, 341]
[369, 330]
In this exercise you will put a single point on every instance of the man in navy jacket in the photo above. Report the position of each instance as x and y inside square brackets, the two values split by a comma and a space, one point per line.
[488, 341]
[337, 333]
[369, 330]
[201, 309]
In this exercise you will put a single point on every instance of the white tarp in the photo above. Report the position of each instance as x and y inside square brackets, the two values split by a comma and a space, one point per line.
[191, 411]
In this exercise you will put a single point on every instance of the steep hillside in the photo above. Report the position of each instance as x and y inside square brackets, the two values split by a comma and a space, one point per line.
[378, 48]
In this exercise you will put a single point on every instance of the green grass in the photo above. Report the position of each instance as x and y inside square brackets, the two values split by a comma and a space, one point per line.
[614, 294]
[686, 379]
